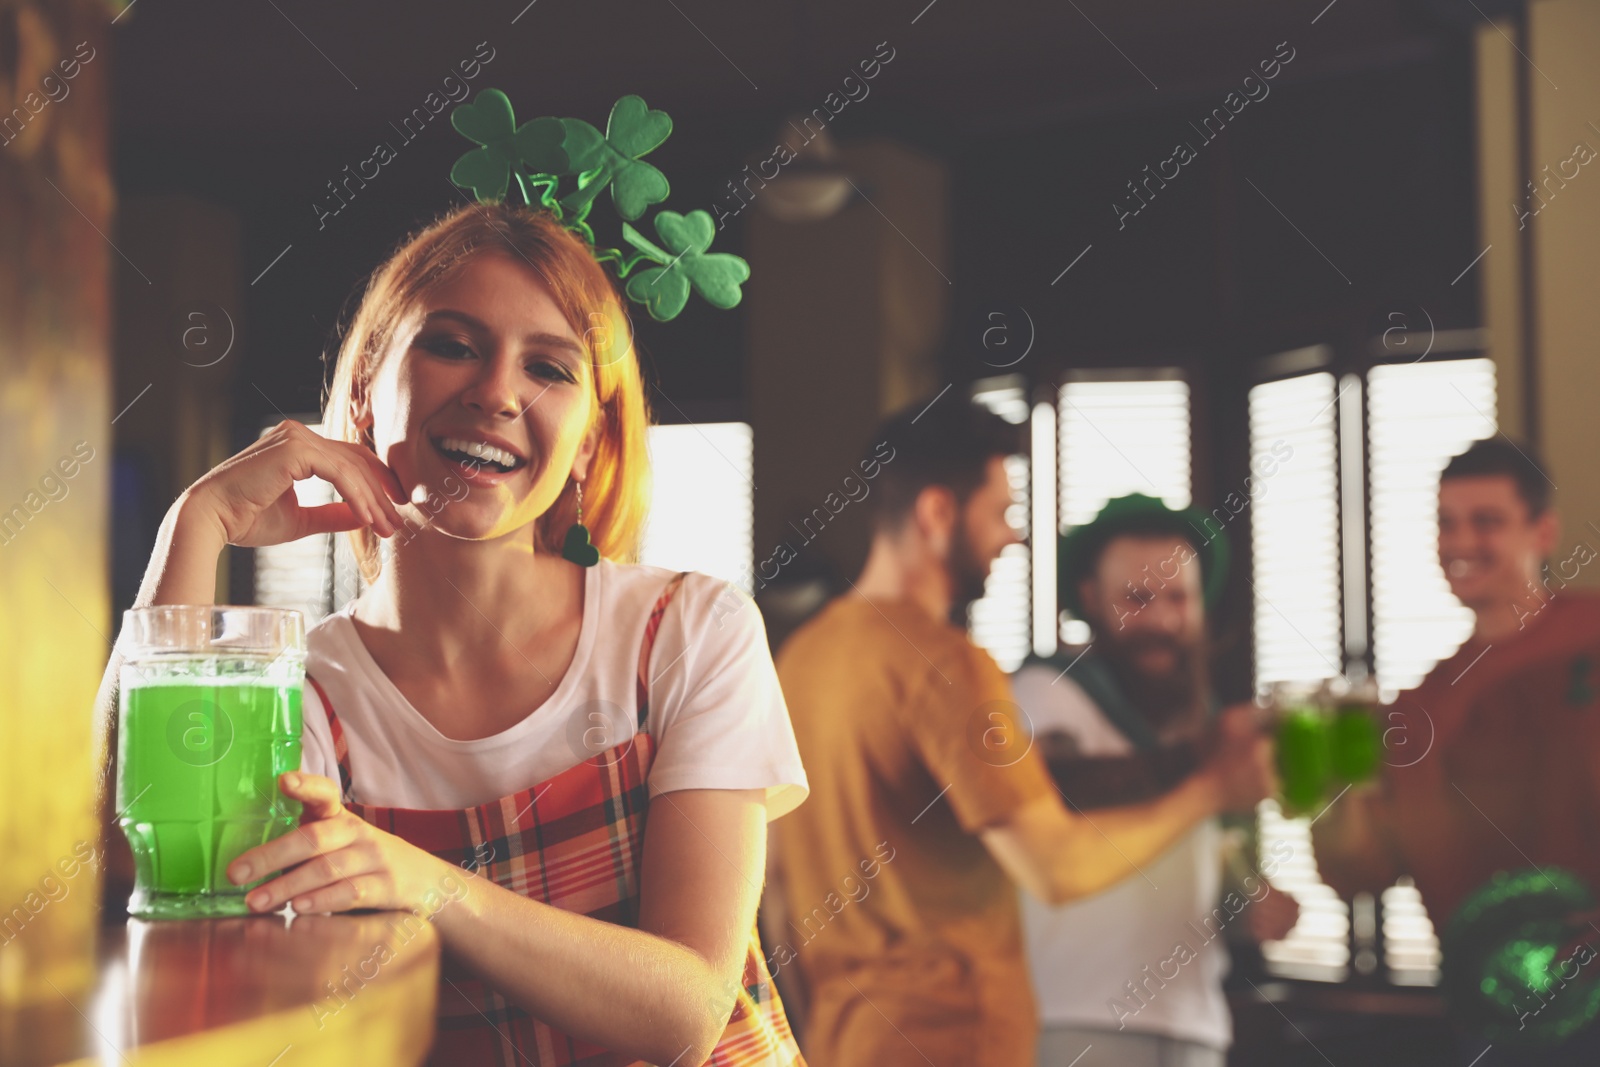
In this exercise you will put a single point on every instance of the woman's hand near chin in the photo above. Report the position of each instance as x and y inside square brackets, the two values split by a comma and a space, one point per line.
[249, 499]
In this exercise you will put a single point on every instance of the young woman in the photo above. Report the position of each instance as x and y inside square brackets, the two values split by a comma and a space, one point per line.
[489, 706]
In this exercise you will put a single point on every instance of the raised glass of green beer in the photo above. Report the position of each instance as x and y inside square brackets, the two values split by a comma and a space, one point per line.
[209, 717]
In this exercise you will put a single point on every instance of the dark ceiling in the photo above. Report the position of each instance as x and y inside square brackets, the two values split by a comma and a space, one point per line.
[1043, 111]
[269, 69]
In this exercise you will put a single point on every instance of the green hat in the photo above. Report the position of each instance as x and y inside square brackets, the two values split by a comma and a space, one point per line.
[1079, 548]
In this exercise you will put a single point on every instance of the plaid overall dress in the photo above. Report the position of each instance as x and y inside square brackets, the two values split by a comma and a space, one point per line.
[575, 842]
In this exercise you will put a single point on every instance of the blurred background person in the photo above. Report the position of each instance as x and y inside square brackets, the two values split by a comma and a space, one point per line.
[1122, 720]
[1501, 742]
[922, 772]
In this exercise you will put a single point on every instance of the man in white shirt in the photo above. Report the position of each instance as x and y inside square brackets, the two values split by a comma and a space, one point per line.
[1132, 976]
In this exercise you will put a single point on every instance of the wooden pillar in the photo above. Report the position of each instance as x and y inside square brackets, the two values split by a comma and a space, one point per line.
[56, 208]
[846, 319]
[1563, 215]
[179, 332]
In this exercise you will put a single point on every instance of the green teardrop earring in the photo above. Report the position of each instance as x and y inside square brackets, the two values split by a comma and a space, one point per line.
[577, 547]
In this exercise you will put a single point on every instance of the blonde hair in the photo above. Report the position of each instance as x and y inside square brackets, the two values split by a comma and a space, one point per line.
[616, 494]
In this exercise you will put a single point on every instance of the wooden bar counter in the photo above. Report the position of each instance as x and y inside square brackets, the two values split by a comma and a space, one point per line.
[261, 991]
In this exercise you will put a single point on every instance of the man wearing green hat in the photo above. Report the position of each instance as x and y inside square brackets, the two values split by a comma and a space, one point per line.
[1134, 974]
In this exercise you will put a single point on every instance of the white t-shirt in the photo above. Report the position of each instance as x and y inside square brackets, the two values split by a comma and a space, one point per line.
[1083, 955]
[717, 713]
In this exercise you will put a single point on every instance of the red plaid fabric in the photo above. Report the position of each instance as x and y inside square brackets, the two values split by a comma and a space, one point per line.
[576, 842]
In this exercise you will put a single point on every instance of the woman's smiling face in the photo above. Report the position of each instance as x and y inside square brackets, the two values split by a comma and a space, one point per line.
[486, 359]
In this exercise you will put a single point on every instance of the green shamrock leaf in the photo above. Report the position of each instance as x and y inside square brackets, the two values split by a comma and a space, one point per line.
[685, 264]
[613, 158]
[488, 121]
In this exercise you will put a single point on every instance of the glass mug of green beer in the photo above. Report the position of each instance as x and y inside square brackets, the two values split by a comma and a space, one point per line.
[1327, 740]
[209, 717]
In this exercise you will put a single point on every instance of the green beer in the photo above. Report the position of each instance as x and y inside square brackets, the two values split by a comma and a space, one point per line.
[209, 718]
[1328, 740]
[1303, 758]
[1354, 743]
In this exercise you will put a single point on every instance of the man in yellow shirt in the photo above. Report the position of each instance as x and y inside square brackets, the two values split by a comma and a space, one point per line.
[894, 884]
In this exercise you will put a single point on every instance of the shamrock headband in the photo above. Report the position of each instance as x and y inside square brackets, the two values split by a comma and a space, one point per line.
[541, 152]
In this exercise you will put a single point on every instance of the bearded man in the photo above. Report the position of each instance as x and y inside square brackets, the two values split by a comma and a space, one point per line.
[1133, 976]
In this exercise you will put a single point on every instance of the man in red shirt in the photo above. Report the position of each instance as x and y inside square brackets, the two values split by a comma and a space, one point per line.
[1493, 762]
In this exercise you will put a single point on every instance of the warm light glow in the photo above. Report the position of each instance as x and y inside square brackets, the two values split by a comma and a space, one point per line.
[299, 574]
[1294, 527]
[701, 510]
[1318, 948]
[1044, 533]
[999, 620]
[1120, 437]
[1421, 414]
